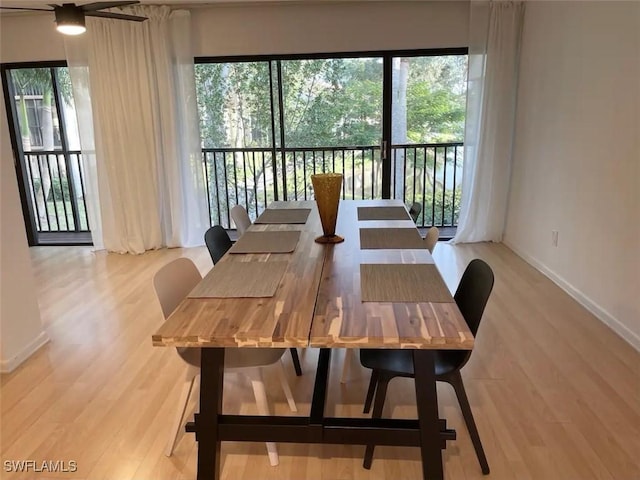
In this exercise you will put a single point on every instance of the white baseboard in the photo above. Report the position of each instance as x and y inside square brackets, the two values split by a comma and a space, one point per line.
[605, 317]
[12, 363]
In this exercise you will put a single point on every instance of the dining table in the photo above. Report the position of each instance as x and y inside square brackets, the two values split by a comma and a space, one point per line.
[379, 288]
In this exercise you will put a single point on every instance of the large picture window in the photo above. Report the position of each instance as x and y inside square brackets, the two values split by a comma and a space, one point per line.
[392, 123]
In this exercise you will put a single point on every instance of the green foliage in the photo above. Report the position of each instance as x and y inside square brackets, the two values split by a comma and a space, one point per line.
[325, 103]
[445, 212]
[30, 81]
[433, 187]
[211, 96]
[332, 102]
[37, 79]
[59, 189]
[436, 99]
[64, 84]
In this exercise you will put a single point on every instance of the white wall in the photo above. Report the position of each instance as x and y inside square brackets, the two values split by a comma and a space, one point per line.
[329, 27]
[21, 330]
[22, 38]
[277, 29]
[29, 38]
[577, 155]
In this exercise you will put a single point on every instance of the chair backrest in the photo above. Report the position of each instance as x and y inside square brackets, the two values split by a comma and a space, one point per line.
[473, 292]
[240, 218]
[173, 282]
[415, 210]
[431, 238]
[218, 242]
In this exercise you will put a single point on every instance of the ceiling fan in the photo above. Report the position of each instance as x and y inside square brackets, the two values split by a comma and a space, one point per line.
[70, 17]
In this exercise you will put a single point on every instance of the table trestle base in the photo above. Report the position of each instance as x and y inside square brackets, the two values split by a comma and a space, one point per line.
[334, 430]
[212, 427]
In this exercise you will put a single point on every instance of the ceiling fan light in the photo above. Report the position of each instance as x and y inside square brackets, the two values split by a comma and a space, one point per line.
[71, 29]
[70, 21]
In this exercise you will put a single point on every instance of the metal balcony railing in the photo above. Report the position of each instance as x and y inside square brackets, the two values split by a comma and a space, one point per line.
[254, 177]
[56, 190]
[431, 175]
[428, 174]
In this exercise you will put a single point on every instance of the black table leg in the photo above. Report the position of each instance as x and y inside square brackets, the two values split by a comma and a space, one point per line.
[319, 399]
[206, 421]
[427, 403]
[296, 361]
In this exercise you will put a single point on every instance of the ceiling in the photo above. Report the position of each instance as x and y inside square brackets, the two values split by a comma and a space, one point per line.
[41, 4]
[180, 3]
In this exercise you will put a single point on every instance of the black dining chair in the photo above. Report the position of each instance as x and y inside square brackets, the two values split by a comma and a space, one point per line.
[471, 297]
[415, 210]
[218, 243]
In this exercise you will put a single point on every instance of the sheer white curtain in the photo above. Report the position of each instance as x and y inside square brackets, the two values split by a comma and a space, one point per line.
[494, 46]
[141, 151]
[79, 74]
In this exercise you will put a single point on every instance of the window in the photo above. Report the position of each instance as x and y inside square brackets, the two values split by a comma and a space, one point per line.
[393, 124]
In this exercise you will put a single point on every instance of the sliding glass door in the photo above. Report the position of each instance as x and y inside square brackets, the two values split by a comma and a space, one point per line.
[45, 136]
[392, 124]
[268, 125]
[332, 121]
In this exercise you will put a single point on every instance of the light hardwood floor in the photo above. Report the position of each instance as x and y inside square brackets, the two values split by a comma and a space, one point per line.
[556, 394]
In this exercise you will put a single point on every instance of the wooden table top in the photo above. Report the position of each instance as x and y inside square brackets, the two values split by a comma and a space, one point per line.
[318, 302]
[341, 319]
[283, 320]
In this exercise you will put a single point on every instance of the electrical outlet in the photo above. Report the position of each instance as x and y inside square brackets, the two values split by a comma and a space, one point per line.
[554, 238]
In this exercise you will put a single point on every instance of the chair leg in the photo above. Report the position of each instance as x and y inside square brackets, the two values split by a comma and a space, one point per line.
[185, 394]
[257, 383]
[456, 382]
[381, 393]
[296, 361]
[346, 365]
[373, 382]
[285, 387]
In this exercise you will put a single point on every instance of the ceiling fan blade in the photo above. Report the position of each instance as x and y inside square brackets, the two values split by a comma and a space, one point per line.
[91, 7]
[118, 16]
[28, 9]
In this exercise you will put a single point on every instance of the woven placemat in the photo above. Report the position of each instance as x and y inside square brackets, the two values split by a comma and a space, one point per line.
[241, 279]
[266, 242]
[284, 215]
[390, 238]
[383, 213]
[402, 283]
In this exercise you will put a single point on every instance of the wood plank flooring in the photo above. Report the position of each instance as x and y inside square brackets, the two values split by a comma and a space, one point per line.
[555, 393]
